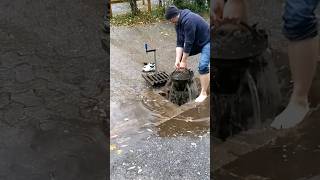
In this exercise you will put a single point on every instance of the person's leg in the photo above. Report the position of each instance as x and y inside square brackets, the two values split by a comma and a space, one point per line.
[203, 69]
[300, 27]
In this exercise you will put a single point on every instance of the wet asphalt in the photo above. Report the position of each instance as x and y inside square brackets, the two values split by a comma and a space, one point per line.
[53, 97]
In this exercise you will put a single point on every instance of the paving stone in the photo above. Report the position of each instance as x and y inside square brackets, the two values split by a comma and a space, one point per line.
[10, 59]
[4, 99]
[24, 73]
[28, 99]
[38, 112]
[14, 114]
[46, 125]
[36, 51]
[6, 75]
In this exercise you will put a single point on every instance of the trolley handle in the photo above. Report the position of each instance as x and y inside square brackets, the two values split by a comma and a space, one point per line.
[150, 50]
[154, 55]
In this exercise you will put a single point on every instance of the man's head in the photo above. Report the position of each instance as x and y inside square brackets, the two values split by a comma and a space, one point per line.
[172, 14]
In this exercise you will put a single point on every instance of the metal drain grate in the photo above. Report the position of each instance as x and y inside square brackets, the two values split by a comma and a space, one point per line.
[157, 79]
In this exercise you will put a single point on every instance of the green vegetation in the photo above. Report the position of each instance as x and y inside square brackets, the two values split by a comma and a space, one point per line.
[198, 6]
[157, 14]
[143, 17]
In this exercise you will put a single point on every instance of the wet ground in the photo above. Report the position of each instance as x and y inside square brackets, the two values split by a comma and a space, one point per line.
[266, 154]
[151, 138]
[293, 155]
[255, 154]
[52, 90]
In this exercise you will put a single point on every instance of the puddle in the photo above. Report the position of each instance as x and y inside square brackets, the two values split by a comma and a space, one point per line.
[295, 155]
[156, 112]
[128, 118]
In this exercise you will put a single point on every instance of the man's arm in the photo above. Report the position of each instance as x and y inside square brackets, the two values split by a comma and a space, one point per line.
[216, 7]
[181, 58]
[179, 48]
[190, 35]
[179, 52]
[184, 59]
[190, 32]
[180, 38]
[236, 10]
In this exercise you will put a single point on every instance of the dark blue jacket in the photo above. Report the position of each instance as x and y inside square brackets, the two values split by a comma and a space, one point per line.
[193, 32]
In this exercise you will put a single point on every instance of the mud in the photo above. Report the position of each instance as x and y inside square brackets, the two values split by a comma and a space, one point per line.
[53, 96]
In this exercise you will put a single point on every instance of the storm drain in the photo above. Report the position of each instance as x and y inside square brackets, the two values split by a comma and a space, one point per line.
[157, 79]
[181, 87]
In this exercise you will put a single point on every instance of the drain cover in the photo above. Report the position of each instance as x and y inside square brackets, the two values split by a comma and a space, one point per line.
[182, 75]
[183, 88]
[237, 41]
[157, 79]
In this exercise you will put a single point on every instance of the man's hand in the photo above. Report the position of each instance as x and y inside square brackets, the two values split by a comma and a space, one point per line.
[217, 11]
[179, 53]
[183, 64]
[235, 11]
[177, 64]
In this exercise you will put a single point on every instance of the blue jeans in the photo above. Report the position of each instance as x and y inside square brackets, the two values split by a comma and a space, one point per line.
[300, 21]
[204, 61]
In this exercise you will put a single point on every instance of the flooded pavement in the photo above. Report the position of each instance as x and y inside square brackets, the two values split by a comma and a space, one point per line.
[294, 155]
[171, 145]
[53, 94]
[128, 88]
[266, 154]
[152, 138]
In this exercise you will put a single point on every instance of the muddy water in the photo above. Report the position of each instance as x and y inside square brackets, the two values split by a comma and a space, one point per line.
[293, 156]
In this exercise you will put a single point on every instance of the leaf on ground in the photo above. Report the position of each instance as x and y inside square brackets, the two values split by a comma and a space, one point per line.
[113, 147]
[119, 151]
[113, 136]
[130, 168]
